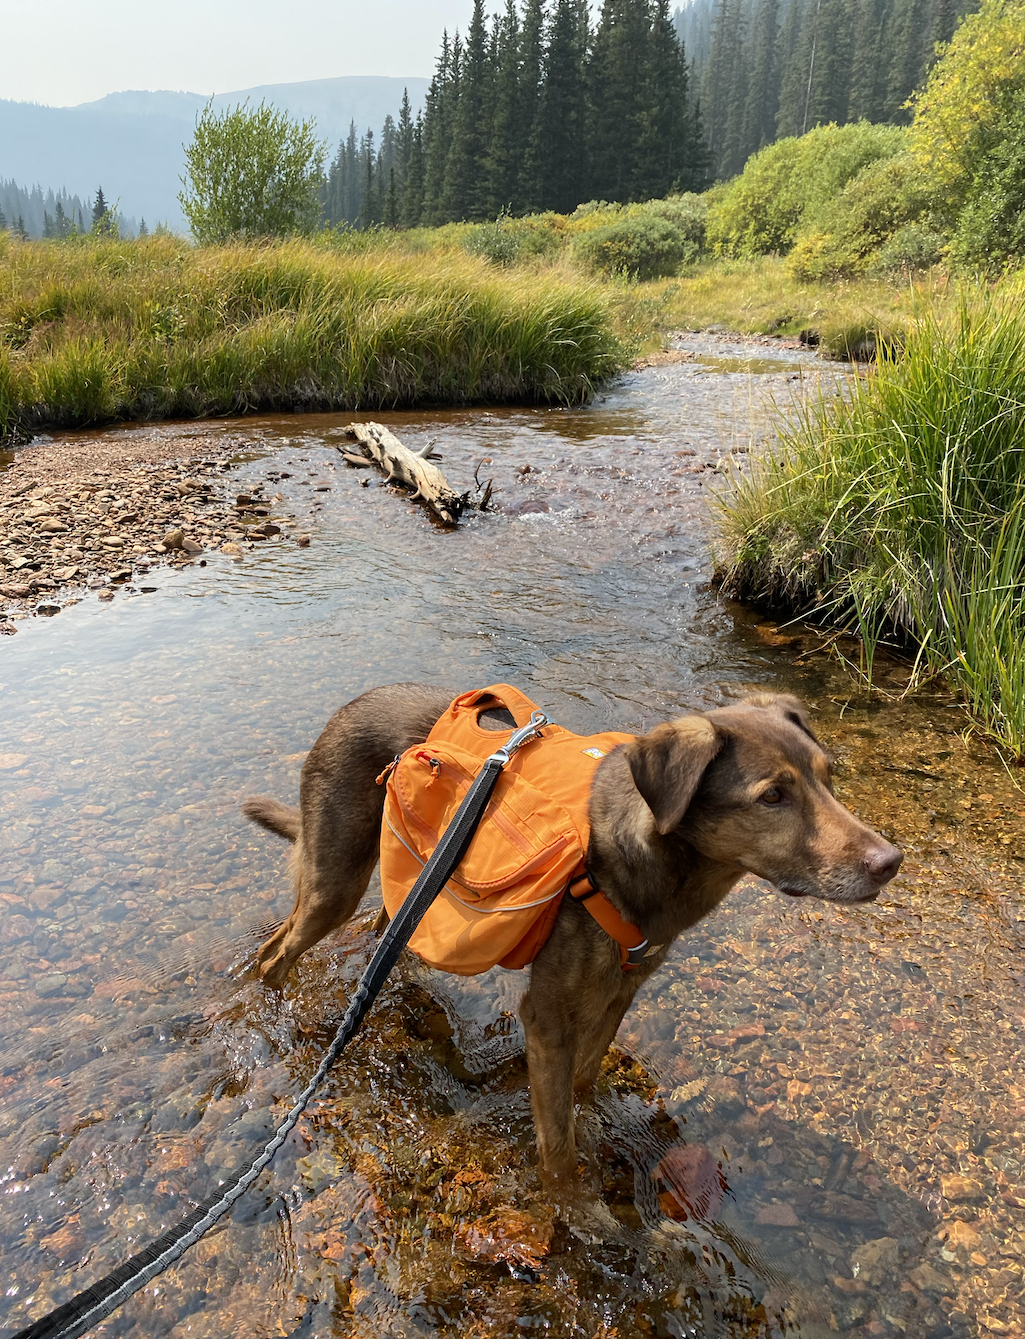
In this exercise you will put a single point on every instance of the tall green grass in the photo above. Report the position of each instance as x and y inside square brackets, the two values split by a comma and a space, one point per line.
[93, 331]
[897, 509]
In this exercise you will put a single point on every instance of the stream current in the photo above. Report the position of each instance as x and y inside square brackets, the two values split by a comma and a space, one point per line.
[811, 1120]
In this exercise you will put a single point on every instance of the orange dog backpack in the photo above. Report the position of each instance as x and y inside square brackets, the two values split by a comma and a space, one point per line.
[500, 905]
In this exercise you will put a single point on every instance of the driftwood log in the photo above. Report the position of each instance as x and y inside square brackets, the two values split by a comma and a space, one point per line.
[411, 468]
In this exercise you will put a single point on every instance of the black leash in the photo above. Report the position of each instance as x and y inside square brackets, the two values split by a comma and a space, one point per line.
[89, 1307]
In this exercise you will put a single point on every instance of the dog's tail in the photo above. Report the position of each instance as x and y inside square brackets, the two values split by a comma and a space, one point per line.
[273, 815]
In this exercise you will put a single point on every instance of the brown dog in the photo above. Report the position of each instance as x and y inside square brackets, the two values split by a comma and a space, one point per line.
[677, 817]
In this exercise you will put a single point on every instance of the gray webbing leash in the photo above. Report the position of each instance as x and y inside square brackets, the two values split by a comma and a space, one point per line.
[90, 1306]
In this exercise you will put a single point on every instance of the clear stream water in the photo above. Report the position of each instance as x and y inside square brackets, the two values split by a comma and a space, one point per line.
[836, 1095]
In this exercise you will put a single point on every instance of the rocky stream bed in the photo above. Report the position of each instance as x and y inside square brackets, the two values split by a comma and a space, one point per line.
[99, 514]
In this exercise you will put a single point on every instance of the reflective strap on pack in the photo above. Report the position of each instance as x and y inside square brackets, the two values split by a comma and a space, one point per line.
[633, 947]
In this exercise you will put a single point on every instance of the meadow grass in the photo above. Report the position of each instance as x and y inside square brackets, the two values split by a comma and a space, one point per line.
[758, 297]
[897, 509]
[94, 331]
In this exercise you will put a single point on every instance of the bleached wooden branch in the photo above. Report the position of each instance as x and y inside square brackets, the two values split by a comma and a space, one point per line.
[410, 468]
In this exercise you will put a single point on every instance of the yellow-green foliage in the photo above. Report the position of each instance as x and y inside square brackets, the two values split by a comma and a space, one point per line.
[678, 222]
[95, 330]
[968, 137]
[897, 509]
[958, 113]
[885, 196]
[783, 188]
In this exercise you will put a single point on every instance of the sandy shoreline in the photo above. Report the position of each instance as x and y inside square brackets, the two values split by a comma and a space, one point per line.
[94, 512]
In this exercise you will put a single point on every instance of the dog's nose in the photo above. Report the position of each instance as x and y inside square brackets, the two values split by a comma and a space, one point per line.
[883, 862]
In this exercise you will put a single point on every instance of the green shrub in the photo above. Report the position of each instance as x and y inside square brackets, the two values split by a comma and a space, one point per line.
[898, 509]
[688, 213]
[990, 230]
[913, 248]
[510, 241]
[884, 196]
[643, 247]
[786, 186]
[494, 242]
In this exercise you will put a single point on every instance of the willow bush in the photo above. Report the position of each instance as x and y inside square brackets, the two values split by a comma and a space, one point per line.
[897, 509]
[93, 331]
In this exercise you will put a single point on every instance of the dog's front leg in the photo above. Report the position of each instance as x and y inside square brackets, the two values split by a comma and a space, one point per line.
[550, 1060]
[600, 1033]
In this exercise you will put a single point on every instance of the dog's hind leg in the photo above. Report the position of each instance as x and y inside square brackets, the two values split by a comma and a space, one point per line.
[334, 857]
[324, 900]
[341, 806]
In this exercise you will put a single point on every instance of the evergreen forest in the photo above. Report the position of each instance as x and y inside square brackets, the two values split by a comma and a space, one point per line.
[56, 214]
[764, 69]
[539, 107]
[544, 105]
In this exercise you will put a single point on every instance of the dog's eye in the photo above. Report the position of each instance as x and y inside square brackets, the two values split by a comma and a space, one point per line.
[771, 796]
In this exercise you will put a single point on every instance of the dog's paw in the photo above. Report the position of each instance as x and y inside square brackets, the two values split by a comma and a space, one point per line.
[590, 1219]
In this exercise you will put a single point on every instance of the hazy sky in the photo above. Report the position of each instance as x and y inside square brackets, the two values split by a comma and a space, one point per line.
[66, 51]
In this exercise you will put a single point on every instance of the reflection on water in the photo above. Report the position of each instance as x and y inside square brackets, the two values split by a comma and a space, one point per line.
[812, 1119]
[752, 365]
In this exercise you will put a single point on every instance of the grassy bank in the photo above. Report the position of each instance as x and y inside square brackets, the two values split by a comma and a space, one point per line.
[94, 331]
[760, 297]
[750, 295]
[898, 510]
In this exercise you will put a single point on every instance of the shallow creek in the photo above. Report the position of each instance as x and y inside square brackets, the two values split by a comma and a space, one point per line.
[835, 1094]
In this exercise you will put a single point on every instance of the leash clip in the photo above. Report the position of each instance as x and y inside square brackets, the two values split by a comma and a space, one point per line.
[520, 737]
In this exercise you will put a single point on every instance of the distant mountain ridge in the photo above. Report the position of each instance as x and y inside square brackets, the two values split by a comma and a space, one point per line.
[131, 143]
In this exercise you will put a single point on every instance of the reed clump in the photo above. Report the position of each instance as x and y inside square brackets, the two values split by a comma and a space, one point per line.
[897, 510]
[95, 331]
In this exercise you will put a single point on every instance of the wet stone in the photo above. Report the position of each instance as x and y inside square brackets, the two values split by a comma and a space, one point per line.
[51, 985]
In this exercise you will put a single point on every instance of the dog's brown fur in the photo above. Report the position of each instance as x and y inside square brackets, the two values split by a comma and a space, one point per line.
[677, 817]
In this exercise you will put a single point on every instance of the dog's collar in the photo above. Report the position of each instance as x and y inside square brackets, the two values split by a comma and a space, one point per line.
[633, 947]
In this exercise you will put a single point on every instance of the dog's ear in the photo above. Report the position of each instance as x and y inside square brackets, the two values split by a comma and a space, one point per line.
[667, 766]
[789, 707]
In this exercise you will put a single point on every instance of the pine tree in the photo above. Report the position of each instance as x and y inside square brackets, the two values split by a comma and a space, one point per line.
[617, 97]
[829, 65]
[763, 82]
[368, 214]
[48, 230]
[724, 97]
[3, 222]
[531, 82]
[909, 45]
[437, 129]
[664, 149]
[697, 175]
[464, 195]
[867, 87]
[505, 151]
[794, 53]
[19, 228]
[404, 134]
[100, 212]
[556, 150]
[943, 24]
[143, 230]
[413, 195]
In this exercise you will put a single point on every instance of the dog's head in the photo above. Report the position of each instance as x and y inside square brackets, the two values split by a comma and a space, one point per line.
[749, 787]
